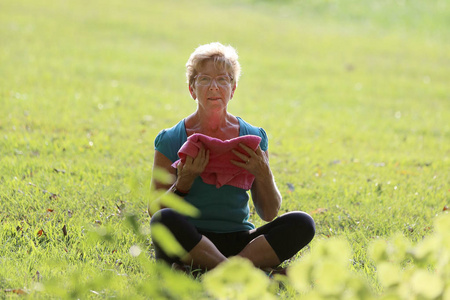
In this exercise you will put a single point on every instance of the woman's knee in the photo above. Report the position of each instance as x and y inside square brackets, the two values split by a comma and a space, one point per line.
[168, 217]
[179, 226]
[302, 222]
[290, 233]
[162, 216]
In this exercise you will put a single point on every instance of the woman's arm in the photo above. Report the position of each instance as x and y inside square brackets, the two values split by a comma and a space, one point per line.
[183, 176]
[163, 163]
[265, 193]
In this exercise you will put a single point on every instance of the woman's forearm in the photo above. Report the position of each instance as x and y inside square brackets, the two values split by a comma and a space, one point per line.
[266, 196]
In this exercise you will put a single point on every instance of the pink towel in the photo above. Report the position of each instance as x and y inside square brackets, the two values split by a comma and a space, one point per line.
[220, 171]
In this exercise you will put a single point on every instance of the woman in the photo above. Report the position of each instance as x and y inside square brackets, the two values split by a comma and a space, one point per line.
[223, 229]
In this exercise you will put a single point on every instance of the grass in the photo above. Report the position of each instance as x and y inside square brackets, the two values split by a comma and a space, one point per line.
[353, 95]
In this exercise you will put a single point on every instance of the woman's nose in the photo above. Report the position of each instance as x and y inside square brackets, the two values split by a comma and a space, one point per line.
[213, 85]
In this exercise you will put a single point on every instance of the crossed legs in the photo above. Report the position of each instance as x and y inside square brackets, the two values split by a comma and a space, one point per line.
[266, 246]
[206, 255]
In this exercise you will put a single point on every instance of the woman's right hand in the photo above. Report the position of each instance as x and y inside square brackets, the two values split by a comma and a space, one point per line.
[191, 169]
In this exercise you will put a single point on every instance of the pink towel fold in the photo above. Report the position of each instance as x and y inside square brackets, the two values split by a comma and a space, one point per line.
[220, 171]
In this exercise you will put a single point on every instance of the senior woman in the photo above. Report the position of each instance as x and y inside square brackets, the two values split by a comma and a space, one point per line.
[223, 228]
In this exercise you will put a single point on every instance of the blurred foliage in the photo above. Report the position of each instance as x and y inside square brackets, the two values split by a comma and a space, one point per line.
[237, 279]
[404, 271]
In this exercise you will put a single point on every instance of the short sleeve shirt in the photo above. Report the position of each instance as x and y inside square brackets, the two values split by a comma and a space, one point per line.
[223, 209]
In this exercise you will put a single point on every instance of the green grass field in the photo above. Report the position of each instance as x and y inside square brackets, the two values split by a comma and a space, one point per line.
[354, 96]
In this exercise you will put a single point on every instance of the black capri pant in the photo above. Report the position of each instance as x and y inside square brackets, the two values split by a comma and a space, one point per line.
[287, 234]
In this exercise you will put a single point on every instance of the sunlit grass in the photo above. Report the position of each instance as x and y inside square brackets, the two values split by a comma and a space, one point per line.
[355, 102]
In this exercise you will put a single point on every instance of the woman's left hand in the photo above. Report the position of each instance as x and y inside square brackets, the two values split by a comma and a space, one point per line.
[256, 162]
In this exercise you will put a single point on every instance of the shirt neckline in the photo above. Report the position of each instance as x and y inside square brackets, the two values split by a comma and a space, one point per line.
[183, 122]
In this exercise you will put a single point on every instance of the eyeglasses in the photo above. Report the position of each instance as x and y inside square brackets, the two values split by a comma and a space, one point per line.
[205, 80]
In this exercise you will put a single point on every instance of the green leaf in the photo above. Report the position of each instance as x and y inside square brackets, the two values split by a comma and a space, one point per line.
[426, 251]
[426, 284]
[330, 278]
[132, 221]
[166, 199]
[389, 274]
[397, 248]
[165, 283]
[237, 279]
[335, 249]
[179, 204]
[300, 276]
[162, 176]
[378, 251]
[162, 235]
[442, 225]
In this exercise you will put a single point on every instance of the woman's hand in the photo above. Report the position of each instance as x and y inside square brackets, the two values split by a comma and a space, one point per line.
[256, 162]
[265, 193]
[191, 169]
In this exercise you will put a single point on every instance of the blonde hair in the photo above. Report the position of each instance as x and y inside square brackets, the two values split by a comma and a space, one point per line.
[224, 57]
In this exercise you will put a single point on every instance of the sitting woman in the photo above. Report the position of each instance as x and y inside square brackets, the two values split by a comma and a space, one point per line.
[223, 228]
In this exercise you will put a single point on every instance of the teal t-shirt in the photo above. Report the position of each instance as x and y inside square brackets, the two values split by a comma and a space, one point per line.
[223, 209]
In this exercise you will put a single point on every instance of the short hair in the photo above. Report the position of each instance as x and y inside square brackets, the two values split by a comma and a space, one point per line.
[224, 57]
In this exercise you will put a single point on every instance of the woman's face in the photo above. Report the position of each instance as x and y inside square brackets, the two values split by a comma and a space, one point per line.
[217, 93]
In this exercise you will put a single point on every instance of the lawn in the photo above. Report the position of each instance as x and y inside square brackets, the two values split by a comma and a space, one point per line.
[354, 96]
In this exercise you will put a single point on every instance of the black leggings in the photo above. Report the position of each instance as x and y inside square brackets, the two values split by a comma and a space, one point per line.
[287, 234]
